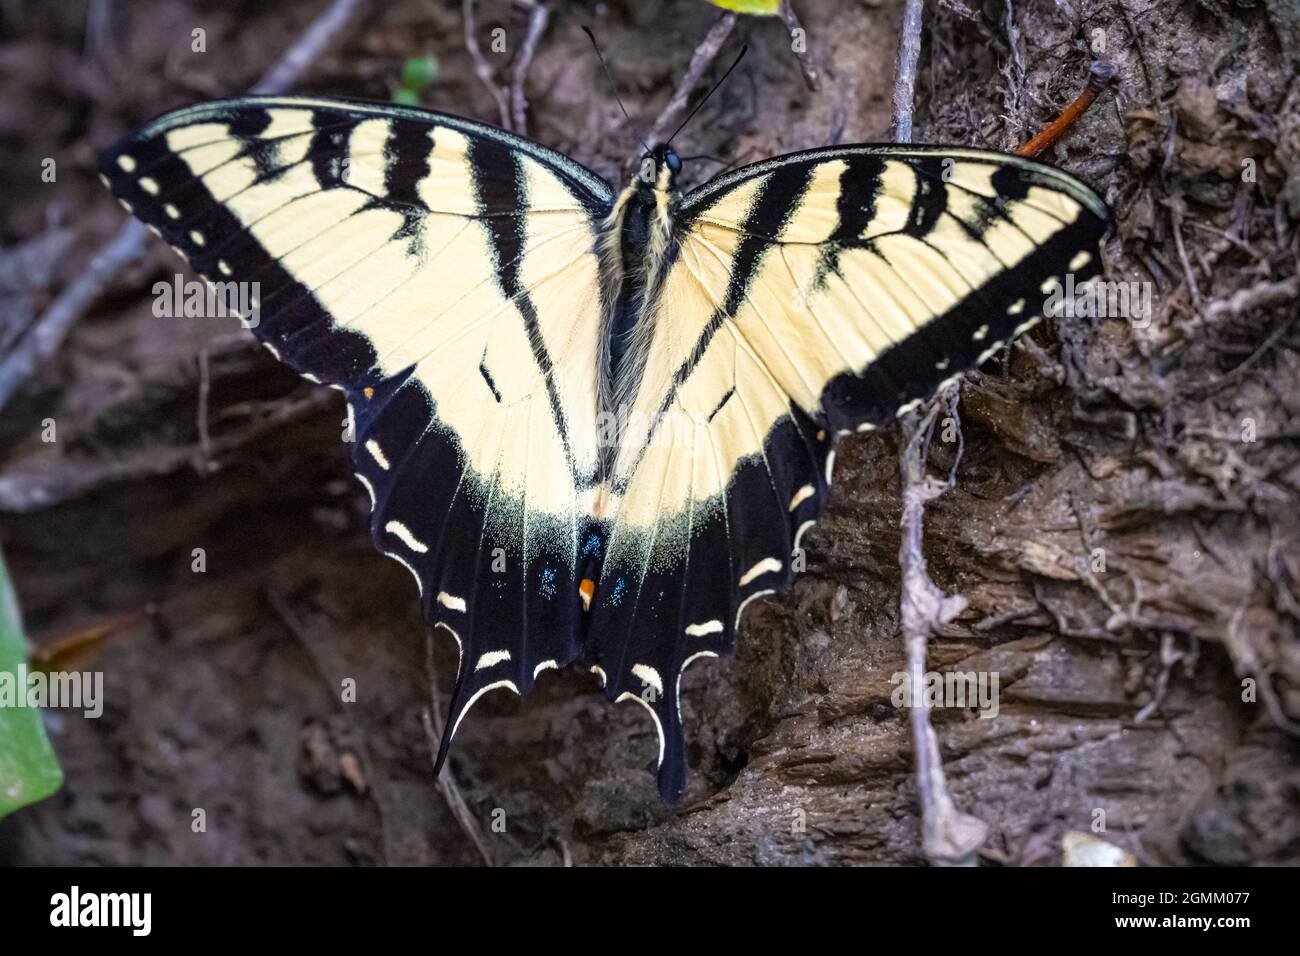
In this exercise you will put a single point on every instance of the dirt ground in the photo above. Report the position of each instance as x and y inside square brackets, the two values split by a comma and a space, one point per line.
[1160, 694]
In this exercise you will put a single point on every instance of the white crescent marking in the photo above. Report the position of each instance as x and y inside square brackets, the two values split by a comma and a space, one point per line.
[702, 630]
[403, 533]
[1027, 325]
[685, 664]
[491, 659]
[377, 454]
[549, 665]
[798, 535]
[745, 603]
[401, 560]
[763, 567]
[649, 676]
[370, 489]
[477, 694]
[451, 601]
[802, 495]
[659, 727]
[460, 648]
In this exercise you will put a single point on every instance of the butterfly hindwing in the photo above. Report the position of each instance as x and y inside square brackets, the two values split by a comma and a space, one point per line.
[810, 296]
[441, 273]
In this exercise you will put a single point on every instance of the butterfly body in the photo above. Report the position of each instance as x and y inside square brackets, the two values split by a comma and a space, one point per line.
[597, 425]
[635, 245]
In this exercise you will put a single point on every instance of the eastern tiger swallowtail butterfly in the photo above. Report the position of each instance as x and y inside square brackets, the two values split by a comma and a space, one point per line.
[597, 424]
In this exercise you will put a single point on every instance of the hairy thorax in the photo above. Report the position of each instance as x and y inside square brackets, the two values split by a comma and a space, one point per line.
[635, 252]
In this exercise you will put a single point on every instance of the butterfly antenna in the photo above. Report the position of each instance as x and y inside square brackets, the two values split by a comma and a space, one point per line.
[735, 63]
[612, 85]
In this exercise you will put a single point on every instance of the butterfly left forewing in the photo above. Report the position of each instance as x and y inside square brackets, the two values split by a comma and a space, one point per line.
[809, 296]
[441, 273]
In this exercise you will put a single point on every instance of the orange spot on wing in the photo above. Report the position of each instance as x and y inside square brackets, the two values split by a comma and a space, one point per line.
[369, 392]
[587, 589]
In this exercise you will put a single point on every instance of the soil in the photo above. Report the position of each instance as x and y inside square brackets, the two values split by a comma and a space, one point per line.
[1156, 696]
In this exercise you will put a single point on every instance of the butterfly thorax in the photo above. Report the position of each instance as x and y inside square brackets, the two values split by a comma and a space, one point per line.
[635, 251]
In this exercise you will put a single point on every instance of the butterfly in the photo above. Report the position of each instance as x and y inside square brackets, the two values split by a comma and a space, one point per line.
[594, 424]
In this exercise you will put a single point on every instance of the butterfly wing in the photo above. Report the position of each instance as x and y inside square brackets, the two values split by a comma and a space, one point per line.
[810, 296]
[441, 273]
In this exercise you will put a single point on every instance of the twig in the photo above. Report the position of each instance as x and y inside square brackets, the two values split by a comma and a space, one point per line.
[46, 335]
[704, 55]
[1247, 664]
[960, 9]
[538, 15]
[1255, 297]
[947, 835]
[431, 717]
[1013, 69]
[482, 68]
[34, 489]
[1100, 75]
[42, 341]
[201, 415]
[288, 70]
[1176, 218]
[909, 51]
[809, 68]
[1238, 371]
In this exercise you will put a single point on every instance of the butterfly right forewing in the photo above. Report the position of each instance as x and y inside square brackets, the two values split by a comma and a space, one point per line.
[810, 295]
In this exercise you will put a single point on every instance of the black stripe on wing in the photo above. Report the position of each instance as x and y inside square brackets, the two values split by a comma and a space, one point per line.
[216, 243]
[500, 183]
[969, 333]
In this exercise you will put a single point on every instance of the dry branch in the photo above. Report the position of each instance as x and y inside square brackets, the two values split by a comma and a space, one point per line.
[909, 52]
[807, 65]
[446, 781]
[703, 56]
[1100, 75]
[538, 15]
[46, 335]
[947, 835]
[482, 68]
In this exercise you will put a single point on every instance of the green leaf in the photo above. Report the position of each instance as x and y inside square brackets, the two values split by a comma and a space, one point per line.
[406, 97]
[419, 73]
[29, 770]
[756, 8]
